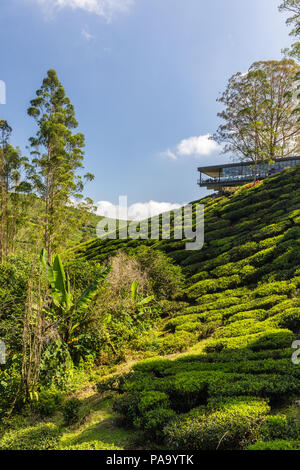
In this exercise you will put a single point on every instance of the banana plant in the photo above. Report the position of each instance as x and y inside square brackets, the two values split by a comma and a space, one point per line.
[135, 297]
[70, 314]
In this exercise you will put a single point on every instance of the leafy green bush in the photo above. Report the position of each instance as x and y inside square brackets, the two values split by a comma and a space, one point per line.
[275, 445]
[71, 411]
[155, 420]
[231, 427]
[92, 445]
[268, 339]
[44, 436]
[212, 285]
[290, 319]
[172, 343]
[148, 410]
[48, 402]
[279, 427]
[152, 400]
[283, 287]
[178, 342]
[166, 277]
[10, 384]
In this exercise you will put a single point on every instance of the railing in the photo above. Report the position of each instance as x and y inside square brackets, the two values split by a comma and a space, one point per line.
[235, 179]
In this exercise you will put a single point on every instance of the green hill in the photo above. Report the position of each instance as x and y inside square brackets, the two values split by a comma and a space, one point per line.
[217, 369]
[242, 316]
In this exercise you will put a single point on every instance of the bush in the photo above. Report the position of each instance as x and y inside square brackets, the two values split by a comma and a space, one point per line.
[71, 411]
[166, 278]
[290, 319]
[92, 445]
[147, 410]
[231, 427]
[212, 285]
[177, 342]
[155, 420]
[40, 437]
[282, 287]
[275, 445]
[48, 402]
[278, 427]
[171, 343]
[10, 384]
[271, 338]
[152, 400]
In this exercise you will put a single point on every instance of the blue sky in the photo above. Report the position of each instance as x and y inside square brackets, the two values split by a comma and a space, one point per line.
[143, 75]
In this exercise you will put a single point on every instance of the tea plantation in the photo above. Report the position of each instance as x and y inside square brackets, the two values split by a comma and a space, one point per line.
[238, 318]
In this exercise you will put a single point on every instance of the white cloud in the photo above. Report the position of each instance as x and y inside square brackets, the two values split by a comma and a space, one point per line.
[202, 145]
[137, 211]
[169, 154]
[87, 36]
[105, 8]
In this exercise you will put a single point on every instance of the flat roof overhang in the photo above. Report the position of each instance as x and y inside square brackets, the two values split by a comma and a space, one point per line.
[215, 170]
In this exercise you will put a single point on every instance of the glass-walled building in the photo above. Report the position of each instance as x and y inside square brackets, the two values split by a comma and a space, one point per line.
[235, 174]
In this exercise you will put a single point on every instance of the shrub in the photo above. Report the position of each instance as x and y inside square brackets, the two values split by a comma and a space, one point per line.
[152, 400]
[48, 402]
[127, 406]
[271, 338]
[212, 285]
[10, 384]
[71, 411]
[283, 287]
[40, 437]
[166, 278]
[278, 427]
[190, 326]
[155, 420]
[290, 319]
[231, 427]
[147, 410]
[275, 445]
[92, 445]
[177, 342]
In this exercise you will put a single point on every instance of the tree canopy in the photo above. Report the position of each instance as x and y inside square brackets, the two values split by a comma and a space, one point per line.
[260, 113]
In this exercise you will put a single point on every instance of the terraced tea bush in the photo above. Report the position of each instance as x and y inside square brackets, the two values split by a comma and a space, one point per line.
[231, 427]
[270, 338]
[279, 427]
[147, 410]
[275, 445]
[212, 285]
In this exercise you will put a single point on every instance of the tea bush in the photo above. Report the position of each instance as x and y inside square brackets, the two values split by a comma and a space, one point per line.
[44, 436]
[71, 411]
[275, 445]
[231, 427]
[92, 445]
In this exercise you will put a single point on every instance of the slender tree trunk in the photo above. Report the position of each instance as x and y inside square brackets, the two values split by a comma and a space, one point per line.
[48, 184]
[32, 340]
[3, 209]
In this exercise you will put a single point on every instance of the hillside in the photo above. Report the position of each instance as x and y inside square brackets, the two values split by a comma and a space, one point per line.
[242, 316]
[217, 369]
